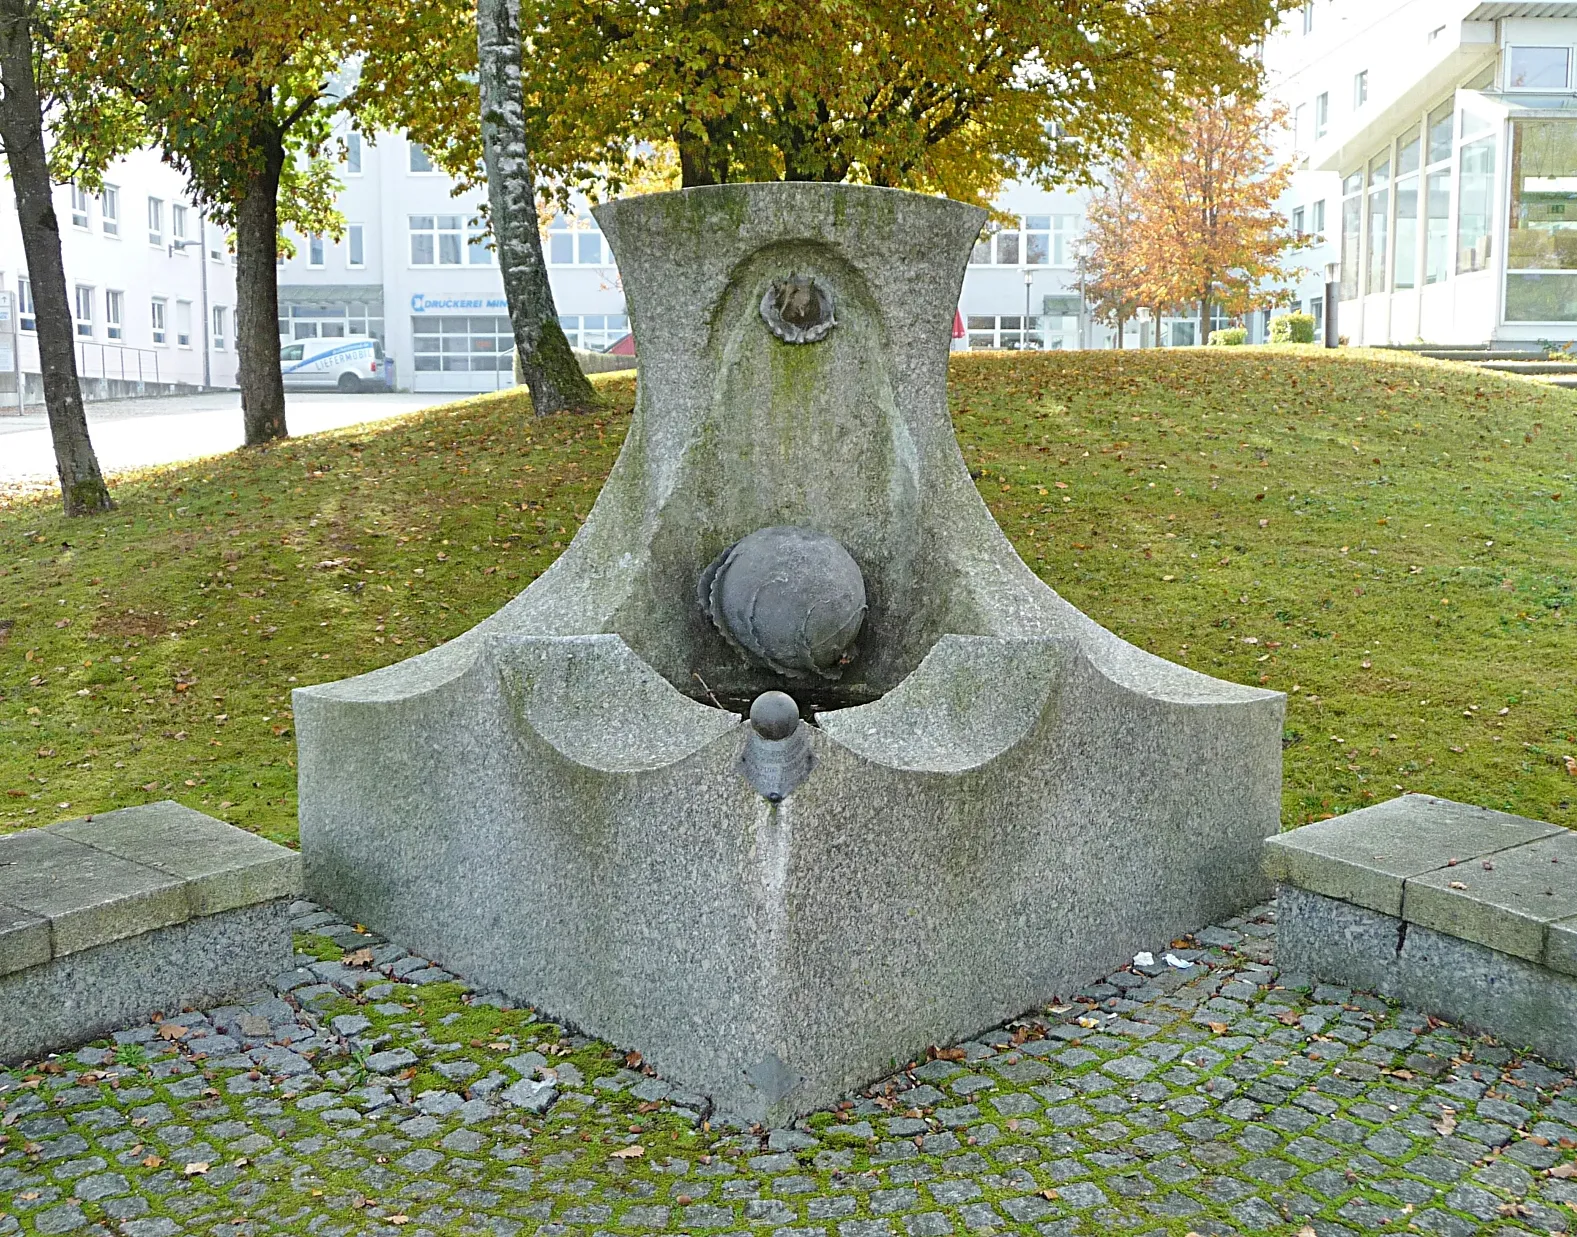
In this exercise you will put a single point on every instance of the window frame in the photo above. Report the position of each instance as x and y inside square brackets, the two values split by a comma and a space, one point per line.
[183, 339]
[114, 314]
[219, 333]
[317, 252]
[1512, 48]
[26, 310]
[1360, 89]
[156, 221]
[109, 210]
[159, 321]
[412, 149]
[80, 217]
[355, 246]
[1322, 114]
[353, 153]
[83, 296]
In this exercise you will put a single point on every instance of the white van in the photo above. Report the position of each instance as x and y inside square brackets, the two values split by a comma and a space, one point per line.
[356, 364]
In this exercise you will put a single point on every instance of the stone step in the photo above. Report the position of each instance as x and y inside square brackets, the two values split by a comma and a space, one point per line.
[115, 916]
[1466, 912]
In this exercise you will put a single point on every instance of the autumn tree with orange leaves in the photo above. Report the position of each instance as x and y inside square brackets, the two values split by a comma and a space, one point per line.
[1112, 279]
[1198, 224]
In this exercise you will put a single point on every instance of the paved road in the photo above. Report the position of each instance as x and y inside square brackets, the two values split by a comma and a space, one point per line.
[141, 432]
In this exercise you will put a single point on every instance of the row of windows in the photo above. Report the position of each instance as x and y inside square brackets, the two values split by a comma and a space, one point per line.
[335, 321]
[1396, 213]
[1034, 240]
[85, 303]
[316, 248]
[179, 237]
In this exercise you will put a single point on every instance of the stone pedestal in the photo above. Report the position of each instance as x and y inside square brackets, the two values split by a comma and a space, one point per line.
[1004, 799]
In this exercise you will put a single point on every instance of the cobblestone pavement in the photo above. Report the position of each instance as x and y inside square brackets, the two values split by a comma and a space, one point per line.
[370, 1092]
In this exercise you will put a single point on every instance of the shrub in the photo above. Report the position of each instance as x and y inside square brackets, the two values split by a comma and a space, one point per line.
[1228, 338]
[1292, 329]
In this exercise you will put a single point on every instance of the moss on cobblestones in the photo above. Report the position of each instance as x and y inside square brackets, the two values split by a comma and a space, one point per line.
[1216, 1097]
[1387, 539]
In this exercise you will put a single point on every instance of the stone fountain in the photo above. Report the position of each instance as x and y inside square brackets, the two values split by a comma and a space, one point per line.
[968, 798]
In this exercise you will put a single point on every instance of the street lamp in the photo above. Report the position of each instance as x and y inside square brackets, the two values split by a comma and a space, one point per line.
[1029, 278]
[1333, 294]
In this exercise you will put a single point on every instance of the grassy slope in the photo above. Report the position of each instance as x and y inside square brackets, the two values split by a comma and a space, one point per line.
[1388, 540]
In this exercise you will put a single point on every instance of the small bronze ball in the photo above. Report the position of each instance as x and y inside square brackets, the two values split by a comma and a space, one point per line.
[774, 715]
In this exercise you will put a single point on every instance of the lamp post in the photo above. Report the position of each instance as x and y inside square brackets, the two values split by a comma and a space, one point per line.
[1333, 294]
[1029, 278]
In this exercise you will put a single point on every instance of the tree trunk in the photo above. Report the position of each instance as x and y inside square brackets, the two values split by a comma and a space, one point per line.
[82, 487]
[257, 302]
[1119, 332]
[546, 360]
[1204, 320]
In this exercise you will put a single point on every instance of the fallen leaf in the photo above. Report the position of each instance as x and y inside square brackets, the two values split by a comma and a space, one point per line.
[196, 1168]
[152, 1161]
[1458, 885]
[1307, 1231]
[171, 1030]
[1447, 1123]
[633, 1152]
[1288, 1017]
[1566, 1171]
[1048, 1194]
[361, 957]
[632, 1060]
[400, 1219]
[1220, 1028]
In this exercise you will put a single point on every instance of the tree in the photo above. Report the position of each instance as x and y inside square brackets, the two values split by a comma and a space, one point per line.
[241, 97]
[1110, 276]
[546, 360]
[1208, 231]
[22, 106]
[951, 96]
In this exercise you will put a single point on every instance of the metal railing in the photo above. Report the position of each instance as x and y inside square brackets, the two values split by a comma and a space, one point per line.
[118, 362]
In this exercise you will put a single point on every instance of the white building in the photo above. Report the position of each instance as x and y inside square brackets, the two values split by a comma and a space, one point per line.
[154, 304]
[1439, 139]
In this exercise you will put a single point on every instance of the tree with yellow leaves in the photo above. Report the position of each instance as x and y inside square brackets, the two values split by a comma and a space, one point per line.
[1205, 229]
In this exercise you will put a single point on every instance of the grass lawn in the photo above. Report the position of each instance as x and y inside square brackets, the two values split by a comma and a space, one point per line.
[1388, 540]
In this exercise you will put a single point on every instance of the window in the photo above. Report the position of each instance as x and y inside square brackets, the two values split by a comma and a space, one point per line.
[435, 240]
[1437, 222]
[1297, 221]
[1360, 88]
[114, 314]
[1317, 312]
[1308, 16]
[1475, 195]
[986, 331]
[419, 161]
[155, 221]
[1406, 273]
[183, 323]
[1440, 133]
[1322, 114]
[1379, 218]
[353, 154]
[1542, 241]
[109, 210]
[1300, 121]
[220, 331]
[178, 226]
[84, 306]
[595, 332]
[1038, 240]
[79, 206]
[1352, 233]
[573, 242]
[334, 321]
[315, 249]
[1538, 68]
[355, 246]
[156, 318]
[456, 344]
[292, 352]
[215, 243]
[477, 248]
[27, 316]
[1317, 218]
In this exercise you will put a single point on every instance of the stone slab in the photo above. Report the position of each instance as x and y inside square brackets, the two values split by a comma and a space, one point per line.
[1560, 947]
[86, 994]
[24, 939]
[1505, 901]
[88, 895]
[1365, 857]
[224, 867]
[1522, 1004]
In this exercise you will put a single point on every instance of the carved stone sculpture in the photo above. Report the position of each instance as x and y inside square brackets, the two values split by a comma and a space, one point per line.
[997, 801]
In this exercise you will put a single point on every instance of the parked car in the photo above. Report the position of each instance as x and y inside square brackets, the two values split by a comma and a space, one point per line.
[355, 364]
